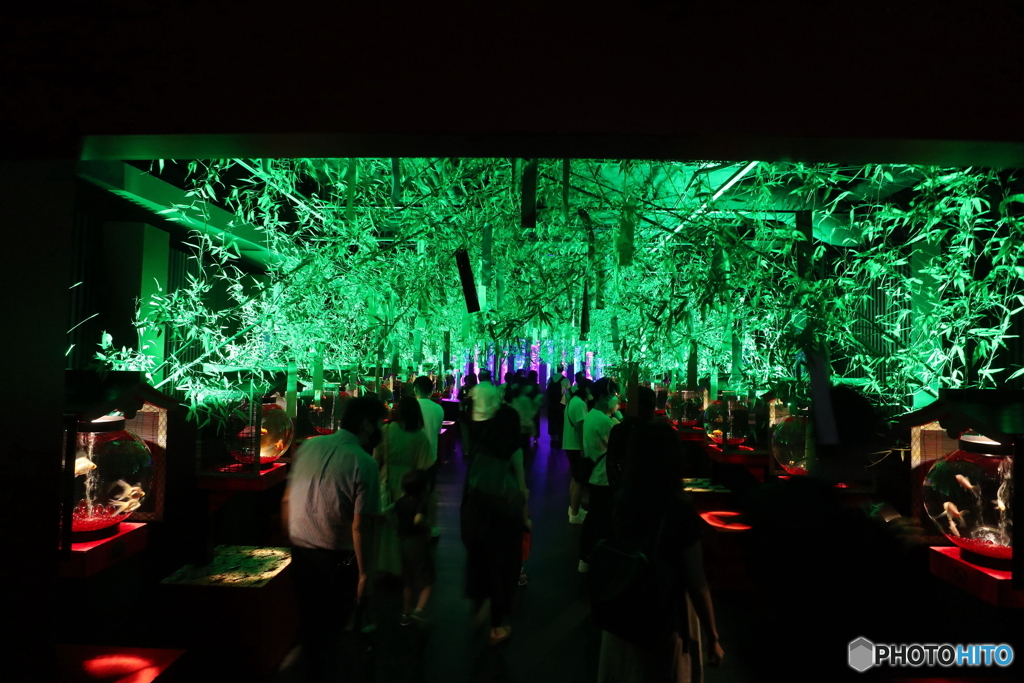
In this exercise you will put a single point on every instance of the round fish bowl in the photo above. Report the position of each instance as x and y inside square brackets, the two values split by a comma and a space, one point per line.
[968, 495]
[789, 444]
[276, 436]
[113, 472]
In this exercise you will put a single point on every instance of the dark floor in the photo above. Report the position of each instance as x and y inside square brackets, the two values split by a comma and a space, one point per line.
[552, 639]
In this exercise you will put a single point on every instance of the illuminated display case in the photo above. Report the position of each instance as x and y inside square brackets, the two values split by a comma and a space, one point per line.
[726, 420]
[968, 491]
[685, 408]
[793, 443]
[113, 473]
[262, 440]
[969, 495]
[319, 417]
[250, 445]
[115, 444]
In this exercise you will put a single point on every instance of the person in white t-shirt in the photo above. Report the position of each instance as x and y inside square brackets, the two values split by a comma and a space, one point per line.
[433, 413]
[486, 399]
[433, 416]
[572, 443]
[597, 428]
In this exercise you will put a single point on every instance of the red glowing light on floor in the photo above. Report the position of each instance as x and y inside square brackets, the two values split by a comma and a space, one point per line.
[716, 519]
[122, 668]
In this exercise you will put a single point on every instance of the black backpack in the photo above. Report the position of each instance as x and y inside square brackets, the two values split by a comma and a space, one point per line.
[632, 595]
[554, 391]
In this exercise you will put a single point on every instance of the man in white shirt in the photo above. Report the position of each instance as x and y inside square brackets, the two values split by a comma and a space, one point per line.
[433, 413]
[328, 509]
[572, 443]
[433, 416]
[486, 399]
[596, 429]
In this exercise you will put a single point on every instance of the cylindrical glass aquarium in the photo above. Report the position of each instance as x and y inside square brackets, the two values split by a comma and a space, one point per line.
[793, 443]
[685, 408]
[726, 420]
[275, 438]
[968, 494]
[113, 472]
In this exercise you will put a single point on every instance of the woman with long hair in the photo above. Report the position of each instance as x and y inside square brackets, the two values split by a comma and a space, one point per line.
[404, 447]
[652, 511]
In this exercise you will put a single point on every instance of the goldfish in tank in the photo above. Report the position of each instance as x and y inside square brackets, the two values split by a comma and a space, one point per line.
[83, 466]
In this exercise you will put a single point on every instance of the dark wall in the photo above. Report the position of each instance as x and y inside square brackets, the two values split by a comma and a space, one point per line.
[38, 209]
[914, 69]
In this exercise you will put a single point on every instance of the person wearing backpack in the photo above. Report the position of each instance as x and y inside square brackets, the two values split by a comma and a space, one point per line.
[651, 622]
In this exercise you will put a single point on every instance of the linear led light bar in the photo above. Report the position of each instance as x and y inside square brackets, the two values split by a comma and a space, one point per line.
[736, 177]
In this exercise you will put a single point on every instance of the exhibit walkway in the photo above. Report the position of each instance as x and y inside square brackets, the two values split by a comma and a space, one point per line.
[553, 639]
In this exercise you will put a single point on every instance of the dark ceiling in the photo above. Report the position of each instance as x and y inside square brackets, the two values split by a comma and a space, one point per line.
[801, 78]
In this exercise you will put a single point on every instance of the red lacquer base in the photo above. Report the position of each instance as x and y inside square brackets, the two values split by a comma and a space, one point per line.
[91, 557]
[991, 585]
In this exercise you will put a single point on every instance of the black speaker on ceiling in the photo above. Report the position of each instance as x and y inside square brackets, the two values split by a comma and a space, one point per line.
[466, 277]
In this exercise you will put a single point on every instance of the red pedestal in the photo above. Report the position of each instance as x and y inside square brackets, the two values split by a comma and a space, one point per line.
[991, 585]
[240, 478]
[95, 556]
[723, 555]
[82, 663]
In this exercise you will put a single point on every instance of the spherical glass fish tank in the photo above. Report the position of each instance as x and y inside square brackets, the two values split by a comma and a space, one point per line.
[792, 444]
[113, 472]
[276, 435]
[968, 494]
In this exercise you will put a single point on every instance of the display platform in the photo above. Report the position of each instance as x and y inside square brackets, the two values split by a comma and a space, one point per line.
[239, 477]
[755, 461]
[991, 585]
[706, 496]
[83, 663]
[90, 557]
[241, 602]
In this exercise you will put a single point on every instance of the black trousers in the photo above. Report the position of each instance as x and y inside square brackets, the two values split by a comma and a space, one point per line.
[556, 420]
[598, 522]
[325, 582]
[494, 556]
